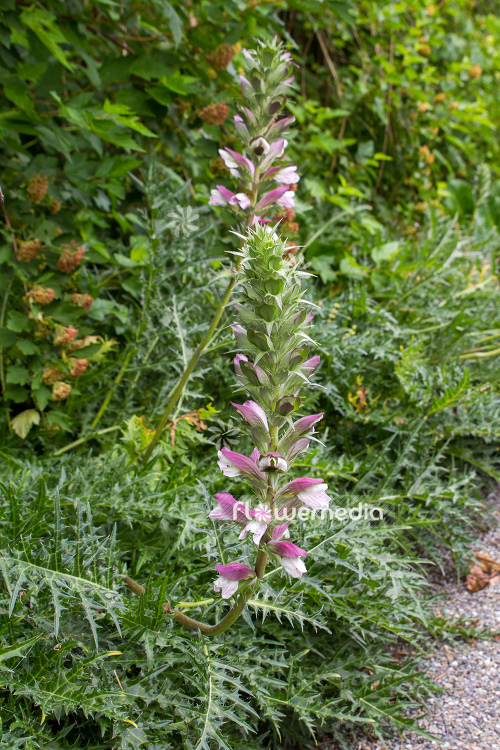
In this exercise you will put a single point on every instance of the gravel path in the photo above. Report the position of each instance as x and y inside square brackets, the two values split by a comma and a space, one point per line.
[467, 714]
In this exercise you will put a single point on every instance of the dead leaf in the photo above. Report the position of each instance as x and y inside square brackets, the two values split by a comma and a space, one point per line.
[477, 579]
[487, 563]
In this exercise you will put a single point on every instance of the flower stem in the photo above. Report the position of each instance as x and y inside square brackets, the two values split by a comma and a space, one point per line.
[189, 369]
[260, 564]
[219, 627]
[109, 396]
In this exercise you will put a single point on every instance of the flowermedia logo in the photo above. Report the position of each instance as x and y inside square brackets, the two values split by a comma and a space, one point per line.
[361, 511]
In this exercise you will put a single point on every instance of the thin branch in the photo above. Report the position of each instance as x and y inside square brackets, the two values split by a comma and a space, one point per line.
[303, 67]
[330, 64]
[128, 50]
[343, 126]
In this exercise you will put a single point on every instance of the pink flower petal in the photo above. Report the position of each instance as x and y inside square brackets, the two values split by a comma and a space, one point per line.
[315, 497]
[281, 125]
[233, 160]
[253, 414]
[305, 424]
[300, 446]
[239, 358]
[235, 571]
[280, 531]
[287, 176]
[230, 509]
[243, 200]
[226, 586]
[299, 485]
[288, 549]
[287, 200]
[242, 463]
[271, 197]
[310, 365]
[228, 195]
[216, 198]
[255, 455]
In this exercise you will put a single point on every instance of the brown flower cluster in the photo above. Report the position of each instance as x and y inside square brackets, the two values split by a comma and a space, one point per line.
[51, 375]
[60, 391]
[221, 57]
[71, 257]
[37, 188]
[475, 71]
[77, 367]
[85, 341]
[215, 113]
[42, 295]
[65, 335]
[82, 300]
[288, 223]
[28, 250]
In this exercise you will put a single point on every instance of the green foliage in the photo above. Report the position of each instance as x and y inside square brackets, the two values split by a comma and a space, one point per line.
[111, 118]
[401, 103]
[97, 657]
[410, 351]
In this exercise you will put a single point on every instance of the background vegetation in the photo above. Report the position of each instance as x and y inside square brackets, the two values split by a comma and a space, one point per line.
[111, 118]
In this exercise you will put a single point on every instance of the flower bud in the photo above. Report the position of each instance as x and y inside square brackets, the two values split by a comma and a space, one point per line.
[258, 339]
[275, 106]
[310, 365]
[240, 335]
[237, 364]
[253, 414]
[267, 312]
[286, 405]
[306, 423]
[300, 446]
[297, 355]
[254, 373]
[274, 286]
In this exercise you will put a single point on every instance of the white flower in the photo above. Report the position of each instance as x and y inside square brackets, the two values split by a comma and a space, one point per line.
[273, 461]
[287, 200]
[294, 566]
[315, 496]
[227, 468]
[226, 586]
[287, 176]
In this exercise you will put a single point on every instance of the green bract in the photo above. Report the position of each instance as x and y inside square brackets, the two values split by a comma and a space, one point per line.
[277, 323]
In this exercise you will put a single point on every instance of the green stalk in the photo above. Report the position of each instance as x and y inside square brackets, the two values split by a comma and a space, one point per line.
[2, 316]
[189, 369]
[85, 439]
[261, 562]
[219, 627]
[204, 342]
[117, 380]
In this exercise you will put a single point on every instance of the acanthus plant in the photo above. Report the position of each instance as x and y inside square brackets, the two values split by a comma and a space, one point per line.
[262, 180]
[273, 364]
